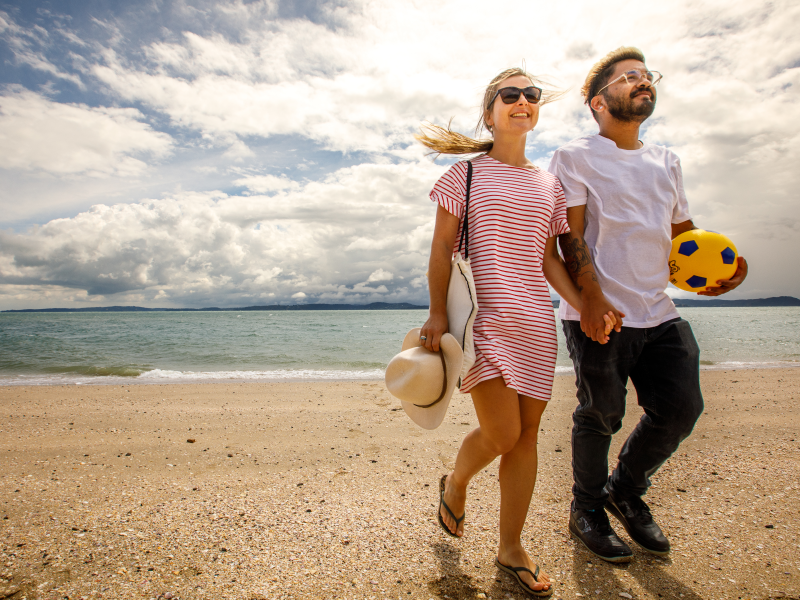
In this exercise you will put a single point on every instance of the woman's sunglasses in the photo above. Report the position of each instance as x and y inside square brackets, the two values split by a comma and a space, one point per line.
[509, 95]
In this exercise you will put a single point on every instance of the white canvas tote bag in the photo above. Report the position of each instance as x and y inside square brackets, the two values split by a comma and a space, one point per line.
[462, 301]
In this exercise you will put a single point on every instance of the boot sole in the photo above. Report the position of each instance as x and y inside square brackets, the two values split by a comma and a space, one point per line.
[611, 559]
[611, 507]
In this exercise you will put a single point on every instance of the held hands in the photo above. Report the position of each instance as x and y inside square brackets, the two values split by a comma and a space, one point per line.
[610, 322]
[432, 331]
[726, 285]
[436, 326]
[598, 318]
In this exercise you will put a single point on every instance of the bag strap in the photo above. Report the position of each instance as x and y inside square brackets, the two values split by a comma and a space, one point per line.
[464, 241]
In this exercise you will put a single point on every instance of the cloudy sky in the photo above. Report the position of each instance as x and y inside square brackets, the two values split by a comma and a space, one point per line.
[232, 153]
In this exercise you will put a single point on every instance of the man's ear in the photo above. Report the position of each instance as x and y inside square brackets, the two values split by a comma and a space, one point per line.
[597, 103]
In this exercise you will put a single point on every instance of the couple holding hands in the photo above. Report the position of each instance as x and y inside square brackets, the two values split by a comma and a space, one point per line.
[612, 204]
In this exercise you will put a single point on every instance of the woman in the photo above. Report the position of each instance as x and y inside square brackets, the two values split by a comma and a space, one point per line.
[516, 211]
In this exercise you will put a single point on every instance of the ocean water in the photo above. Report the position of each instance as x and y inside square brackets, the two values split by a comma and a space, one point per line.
[159, 347]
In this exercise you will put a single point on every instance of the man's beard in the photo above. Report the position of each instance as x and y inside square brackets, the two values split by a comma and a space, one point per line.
[628, 110]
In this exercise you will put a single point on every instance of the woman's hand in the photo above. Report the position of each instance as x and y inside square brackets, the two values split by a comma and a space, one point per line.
[432, 331]
[611, 323]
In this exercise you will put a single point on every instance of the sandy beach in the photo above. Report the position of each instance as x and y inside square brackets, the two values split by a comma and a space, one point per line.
[327, 490]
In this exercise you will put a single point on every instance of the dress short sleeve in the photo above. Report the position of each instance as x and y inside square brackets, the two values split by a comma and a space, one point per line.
[558, 221]
[451, 189]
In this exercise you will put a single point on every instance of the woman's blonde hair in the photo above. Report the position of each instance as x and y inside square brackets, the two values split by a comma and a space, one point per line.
[443, 140]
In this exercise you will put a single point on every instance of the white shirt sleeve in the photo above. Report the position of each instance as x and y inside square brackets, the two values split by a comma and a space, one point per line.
[680, 210]
[575, 189]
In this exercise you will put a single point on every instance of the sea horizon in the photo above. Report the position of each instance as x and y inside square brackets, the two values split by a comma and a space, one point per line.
[772, 301]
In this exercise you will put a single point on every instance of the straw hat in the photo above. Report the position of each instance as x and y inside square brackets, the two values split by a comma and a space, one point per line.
[423, 380]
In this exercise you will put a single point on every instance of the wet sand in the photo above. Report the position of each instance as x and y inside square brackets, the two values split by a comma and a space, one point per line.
[327, 490]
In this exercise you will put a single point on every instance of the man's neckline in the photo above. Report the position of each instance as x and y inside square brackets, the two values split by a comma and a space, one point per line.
[612, 143]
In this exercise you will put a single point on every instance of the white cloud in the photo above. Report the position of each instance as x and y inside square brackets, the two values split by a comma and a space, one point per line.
[213, 249]
[356, 81]
[296, 77]
[69, 139]
[264, 184]
[380, 275]
[29, 46]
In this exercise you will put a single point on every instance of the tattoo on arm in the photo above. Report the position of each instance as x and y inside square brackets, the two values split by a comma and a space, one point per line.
[594, 278]
[576, 256]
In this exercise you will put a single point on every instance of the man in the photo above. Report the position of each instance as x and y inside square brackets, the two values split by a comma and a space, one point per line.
[625, 202]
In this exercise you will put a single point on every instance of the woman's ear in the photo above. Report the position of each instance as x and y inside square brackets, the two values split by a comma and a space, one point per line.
[487, 120]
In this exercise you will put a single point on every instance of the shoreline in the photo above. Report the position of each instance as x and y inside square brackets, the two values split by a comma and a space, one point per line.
[327, 490]
[111, 380]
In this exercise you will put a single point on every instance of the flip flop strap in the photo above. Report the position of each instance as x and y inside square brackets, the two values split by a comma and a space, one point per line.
[518, 569]
[447, 508]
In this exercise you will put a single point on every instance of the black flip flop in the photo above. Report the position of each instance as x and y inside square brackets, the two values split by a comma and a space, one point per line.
[447, 508]
[514, 572]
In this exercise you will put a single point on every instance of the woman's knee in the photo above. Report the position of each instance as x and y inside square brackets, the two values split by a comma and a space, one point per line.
[528, 439]
[502, 442]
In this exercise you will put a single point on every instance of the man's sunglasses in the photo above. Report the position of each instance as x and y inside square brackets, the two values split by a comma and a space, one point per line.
[509, 95]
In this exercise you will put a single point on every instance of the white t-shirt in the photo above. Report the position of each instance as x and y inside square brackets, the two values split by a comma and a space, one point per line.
[632, 197]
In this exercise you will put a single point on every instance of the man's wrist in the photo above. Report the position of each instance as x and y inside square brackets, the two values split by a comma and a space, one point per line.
[590, 291]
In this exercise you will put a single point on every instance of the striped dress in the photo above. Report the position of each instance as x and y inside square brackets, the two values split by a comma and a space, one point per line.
[512, 212]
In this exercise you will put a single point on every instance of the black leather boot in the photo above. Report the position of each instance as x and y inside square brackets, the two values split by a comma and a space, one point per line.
[593, 529]
[635, 517]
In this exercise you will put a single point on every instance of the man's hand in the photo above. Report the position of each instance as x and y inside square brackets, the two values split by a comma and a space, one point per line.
[595, 309]
[726, 285]
[596, 314]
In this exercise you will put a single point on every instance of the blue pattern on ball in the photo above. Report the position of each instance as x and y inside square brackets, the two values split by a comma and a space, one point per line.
[688, 248]
[728, 256]
[695, 281]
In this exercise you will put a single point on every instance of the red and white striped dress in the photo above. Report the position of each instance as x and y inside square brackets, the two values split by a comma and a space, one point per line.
[512, 212]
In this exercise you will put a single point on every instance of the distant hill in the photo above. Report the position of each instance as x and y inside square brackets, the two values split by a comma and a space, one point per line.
[686, 303]
[777, 301]
[271, 307]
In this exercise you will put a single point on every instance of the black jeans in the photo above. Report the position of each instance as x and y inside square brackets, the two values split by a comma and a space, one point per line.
[664, 364]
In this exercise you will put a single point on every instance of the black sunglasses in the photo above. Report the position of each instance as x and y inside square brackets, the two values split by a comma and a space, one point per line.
[509, 95]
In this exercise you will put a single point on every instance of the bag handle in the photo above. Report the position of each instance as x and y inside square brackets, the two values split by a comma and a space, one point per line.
[465, 229]
[444, 384]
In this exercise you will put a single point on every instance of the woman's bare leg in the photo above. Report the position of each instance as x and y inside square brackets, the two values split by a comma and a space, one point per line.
[517, 479]
[508, 427]
[499, 428]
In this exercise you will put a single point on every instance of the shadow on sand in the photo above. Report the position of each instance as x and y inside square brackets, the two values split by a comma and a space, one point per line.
[460, 579]
[454, 581]
[592, 573]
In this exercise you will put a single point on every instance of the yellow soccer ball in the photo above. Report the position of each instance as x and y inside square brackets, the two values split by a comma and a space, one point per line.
[699, 258]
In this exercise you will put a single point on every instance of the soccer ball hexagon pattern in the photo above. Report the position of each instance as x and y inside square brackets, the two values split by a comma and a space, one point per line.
[700, 258]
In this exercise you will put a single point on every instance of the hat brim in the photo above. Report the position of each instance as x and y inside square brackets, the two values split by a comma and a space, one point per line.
[432, 417]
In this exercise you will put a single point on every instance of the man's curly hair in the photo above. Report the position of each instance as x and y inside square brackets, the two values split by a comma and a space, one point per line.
[600, 73]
